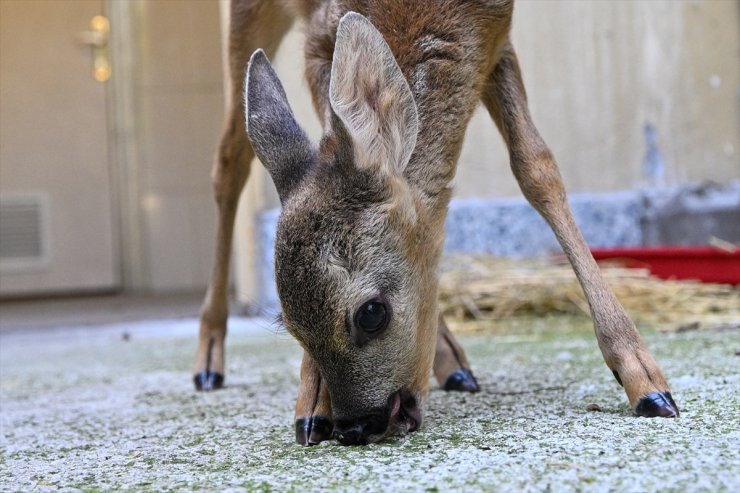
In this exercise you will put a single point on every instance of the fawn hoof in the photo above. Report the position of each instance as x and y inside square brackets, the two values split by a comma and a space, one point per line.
[312, 430]
[657, 404]
[208, 380]
[462, 380]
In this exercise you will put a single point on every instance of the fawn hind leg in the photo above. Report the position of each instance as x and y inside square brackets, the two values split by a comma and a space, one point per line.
[534, 168]
[451, 367]
[254, 24]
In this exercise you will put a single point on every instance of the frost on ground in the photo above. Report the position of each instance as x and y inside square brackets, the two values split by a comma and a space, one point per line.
[89, 409]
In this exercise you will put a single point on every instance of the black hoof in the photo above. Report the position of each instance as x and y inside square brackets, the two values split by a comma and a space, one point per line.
[657, 404]
[462, 380]
[312, 430]
[207, 380]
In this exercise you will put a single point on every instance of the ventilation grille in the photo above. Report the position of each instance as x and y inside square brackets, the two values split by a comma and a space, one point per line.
[23, 237]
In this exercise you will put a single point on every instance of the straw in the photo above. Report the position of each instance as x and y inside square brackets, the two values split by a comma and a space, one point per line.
[477, 290]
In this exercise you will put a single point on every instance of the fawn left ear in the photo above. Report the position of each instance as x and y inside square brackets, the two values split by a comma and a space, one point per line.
[371, 97]
[277, 139]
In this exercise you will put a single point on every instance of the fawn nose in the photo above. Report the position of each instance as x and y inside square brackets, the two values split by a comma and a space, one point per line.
[357, 431]
[350, 436]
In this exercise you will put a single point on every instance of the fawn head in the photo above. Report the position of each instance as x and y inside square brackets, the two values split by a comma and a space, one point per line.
[355, 257]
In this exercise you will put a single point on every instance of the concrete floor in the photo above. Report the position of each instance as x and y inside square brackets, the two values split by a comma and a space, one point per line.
[110, 406]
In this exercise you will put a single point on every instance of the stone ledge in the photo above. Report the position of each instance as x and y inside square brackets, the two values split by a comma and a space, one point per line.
[685, 215]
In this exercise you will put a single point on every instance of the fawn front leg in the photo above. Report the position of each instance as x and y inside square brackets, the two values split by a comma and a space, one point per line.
[253, 24]
[537, 174]
[313, 422]
[451, 367]
[229, 175]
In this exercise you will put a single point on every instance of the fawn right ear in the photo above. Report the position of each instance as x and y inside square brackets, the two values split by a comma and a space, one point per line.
[277, 139]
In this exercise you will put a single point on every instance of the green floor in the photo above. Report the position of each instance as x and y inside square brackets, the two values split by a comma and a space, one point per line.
[89, 409]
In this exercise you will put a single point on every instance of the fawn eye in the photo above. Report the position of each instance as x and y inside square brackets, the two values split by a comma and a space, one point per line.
[372, 316]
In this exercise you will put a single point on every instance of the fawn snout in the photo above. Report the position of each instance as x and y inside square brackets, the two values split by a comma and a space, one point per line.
[400, 415]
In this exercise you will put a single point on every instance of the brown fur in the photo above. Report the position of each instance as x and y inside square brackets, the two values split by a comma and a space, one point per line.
[353, 223]
[313, 395]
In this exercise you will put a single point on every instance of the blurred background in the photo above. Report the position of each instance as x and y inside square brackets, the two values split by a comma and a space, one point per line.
[110, 112]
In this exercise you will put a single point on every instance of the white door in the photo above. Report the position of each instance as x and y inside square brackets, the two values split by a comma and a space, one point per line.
[56, 206]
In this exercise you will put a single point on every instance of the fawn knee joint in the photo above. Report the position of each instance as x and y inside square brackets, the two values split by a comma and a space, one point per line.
[540, 179]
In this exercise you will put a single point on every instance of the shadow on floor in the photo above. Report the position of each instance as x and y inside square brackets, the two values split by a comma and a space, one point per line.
[96, 310]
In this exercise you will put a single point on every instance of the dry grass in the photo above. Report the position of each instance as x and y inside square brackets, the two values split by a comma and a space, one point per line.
[478, 291]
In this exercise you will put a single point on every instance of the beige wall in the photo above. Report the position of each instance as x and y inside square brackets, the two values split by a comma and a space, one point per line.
[596, 73]
[178, 93]
[593, 85]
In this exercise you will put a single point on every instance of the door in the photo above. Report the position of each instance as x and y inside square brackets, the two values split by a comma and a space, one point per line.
[56, 206]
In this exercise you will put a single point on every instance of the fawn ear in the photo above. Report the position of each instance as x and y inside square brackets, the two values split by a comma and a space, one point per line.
[277, 139]
[371, 97]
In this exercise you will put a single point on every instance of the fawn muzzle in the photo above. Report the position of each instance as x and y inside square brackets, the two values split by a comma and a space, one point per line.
[401, 415]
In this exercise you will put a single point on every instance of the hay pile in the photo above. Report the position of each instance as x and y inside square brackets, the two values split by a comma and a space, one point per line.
[478, 291]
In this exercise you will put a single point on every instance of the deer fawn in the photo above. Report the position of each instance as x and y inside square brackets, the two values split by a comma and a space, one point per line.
[359, 238]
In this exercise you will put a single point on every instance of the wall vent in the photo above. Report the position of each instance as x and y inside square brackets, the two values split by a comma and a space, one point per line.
[23, 231]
